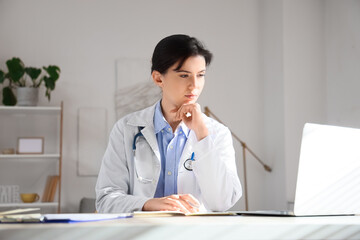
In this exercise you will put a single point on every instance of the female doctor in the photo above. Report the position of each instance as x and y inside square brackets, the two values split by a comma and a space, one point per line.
[170, 156]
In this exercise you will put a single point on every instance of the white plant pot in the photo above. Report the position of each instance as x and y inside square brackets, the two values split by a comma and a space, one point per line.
[27, 96]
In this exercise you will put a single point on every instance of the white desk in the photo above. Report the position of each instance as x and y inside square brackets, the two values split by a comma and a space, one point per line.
[185, 228]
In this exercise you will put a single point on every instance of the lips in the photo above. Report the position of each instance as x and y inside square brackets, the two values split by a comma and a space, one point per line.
[191, 96]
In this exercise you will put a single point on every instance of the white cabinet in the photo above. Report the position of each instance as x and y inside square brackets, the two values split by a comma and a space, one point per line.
[29, 172]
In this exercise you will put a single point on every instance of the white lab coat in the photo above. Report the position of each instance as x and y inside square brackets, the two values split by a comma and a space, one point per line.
[213, 181]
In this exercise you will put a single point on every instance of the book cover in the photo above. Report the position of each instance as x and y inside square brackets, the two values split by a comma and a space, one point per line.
[53, 187]
[46, 192]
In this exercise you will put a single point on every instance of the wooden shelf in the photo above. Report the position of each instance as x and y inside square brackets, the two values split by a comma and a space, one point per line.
[21, 114]
[28, 110]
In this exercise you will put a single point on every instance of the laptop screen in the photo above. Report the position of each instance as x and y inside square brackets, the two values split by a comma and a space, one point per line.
[328, 181]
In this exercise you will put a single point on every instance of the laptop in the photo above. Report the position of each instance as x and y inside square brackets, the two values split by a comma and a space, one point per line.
[328, 180]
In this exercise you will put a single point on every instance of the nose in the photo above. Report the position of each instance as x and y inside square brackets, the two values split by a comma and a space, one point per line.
[193, 83]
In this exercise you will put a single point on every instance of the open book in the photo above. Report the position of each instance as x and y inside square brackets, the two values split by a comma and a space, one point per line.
[177, 213]
[20, 215]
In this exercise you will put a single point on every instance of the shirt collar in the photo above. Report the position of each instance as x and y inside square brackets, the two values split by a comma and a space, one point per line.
[159, 120]
[182, 126]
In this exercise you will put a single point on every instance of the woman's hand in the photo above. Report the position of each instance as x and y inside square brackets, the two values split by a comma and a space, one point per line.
[185, 203]
[191, 115]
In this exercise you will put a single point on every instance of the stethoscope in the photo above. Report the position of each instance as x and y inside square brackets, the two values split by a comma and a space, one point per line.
[188, 164]
[140, 178]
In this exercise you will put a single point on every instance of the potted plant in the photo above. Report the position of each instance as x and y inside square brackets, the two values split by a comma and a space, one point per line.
[27, 80]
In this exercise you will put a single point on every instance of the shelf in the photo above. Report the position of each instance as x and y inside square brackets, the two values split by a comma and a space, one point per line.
[33, 110]
[29, 156]
[46, 121]
[27, 205]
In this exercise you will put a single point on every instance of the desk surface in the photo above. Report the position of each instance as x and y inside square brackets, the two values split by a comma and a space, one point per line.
[224, 227]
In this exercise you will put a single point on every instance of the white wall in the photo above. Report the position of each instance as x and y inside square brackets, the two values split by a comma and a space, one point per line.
[277, 64]
[294, 93]
[304, 77]
[85, 38]
[310, 69]
[272, 69]
[321, 71]
[343, 62]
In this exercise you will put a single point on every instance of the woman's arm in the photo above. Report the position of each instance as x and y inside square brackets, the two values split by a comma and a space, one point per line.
[215, 170]
[112, 187]
[215, 166]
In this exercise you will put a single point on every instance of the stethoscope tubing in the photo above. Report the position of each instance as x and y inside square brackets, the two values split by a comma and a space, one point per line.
[187, 163]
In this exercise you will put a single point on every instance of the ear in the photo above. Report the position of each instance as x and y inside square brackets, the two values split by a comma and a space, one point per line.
[157, 78]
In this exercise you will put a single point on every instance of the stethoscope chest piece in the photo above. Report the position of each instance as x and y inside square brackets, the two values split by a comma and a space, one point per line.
[188, 165]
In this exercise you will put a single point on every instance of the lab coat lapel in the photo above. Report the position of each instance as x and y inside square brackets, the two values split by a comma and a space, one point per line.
[150, 137]
[144, 119]
[188, 147]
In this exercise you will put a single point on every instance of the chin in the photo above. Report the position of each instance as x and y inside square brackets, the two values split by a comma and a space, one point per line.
[190, 101]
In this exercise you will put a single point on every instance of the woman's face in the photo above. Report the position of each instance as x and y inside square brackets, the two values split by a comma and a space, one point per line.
[184, 85]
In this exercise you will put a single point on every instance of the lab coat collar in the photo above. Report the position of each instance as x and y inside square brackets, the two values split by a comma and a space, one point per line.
[144, 118]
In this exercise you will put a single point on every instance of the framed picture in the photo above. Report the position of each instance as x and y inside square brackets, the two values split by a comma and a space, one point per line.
[30, 145]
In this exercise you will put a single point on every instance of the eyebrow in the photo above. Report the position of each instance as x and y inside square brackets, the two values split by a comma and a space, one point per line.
[178, 71]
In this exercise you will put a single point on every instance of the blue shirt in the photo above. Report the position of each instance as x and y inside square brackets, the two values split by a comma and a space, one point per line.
[171, 146]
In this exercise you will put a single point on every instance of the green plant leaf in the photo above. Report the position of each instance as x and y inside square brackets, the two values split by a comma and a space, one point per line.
[49, 83]
[53, 71]
[9, 98]
[53, 75]
[33, 73]
[16, 69]
[47, 94]
[2, 76]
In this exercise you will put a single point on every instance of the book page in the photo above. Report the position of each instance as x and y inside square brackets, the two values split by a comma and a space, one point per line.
[177, 213]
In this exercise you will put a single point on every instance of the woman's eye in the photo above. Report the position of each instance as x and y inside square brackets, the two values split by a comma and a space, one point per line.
[184, 75]
[201, 75]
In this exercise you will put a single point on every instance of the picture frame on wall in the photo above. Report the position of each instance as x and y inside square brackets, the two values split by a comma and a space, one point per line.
[30, 145]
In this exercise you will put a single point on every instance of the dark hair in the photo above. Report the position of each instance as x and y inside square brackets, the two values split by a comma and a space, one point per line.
[177, 48]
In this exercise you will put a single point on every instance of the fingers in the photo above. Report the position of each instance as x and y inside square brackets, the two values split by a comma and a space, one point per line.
[160, 204]
[195, 121]
[187, 111]
[191, 200]
[183, 203]
[180, 205]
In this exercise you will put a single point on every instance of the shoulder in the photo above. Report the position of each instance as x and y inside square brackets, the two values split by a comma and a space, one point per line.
[141, 118]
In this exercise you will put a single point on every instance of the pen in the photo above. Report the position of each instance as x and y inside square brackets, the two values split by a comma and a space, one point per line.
[192, 156]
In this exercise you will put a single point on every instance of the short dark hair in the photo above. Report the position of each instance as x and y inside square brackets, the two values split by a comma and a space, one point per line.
[177, 48]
